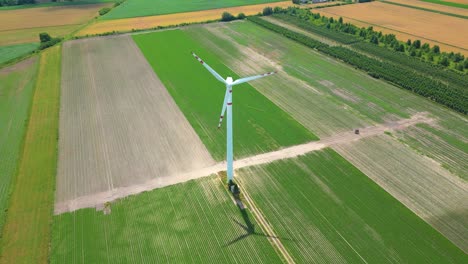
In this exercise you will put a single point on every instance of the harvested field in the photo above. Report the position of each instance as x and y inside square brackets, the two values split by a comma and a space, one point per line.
[16, 91]
[418, 24]
[326, 211]
[16, 26]
[26, 233]
[32, 34]
[118, 124]
[418, 182]
[173, 19]
[433, 6]
[192, 222]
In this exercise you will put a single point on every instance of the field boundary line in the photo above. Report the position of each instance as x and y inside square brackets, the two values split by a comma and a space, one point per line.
[266, 228]
[97, 199]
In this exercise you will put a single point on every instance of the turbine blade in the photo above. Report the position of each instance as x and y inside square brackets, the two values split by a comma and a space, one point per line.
[215, 74]
[251, 78]
[223, 110]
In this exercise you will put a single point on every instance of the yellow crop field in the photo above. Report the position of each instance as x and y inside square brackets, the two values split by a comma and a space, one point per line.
[17, 26]
[175, 19]
[407, 23]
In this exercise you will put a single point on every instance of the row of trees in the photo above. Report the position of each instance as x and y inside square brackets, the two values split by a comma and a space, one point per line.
[410, 63]
[451, 96]
[416, 49]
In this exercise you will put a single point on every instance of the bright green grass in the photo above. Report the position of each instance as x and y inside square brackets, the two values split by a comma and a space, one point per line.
[16, 90]
[26, 232]
[138, 8]
[447, 3]
[327, 211]
[76, 2]
[8, 53]
[192, 222]
[259, 125]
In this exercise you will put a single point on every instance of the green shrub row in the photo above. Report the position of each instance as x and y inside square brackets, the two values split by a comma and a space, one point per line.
[435, 90]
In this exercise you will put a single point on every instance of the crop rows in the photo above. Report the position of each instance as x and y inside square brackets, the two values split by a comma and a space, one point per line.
[16, 91]
[325, 210]
[419, 183]
[329, 97]
[437, 91]
[192, 222]
[259, 125]
[119, 125]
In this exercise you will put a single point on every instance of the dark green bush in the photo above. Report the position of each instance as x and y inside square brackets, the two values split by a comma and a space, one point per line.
[104, 11]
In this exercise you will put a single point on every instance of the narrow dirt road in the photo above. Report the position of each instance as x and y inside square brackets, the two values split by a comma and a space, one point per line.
[97, 199]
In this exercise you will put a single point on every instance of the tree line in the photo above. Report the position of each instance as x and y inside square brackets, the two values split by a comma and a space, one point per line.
[450, 95]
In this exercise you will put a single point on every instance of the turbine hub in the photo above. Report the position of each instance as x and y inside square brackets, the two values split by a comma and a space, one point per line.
[229, 80]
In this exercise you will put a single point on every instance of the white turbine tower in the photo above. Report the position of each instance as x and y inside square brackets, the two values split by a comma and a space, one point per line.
[228, 104]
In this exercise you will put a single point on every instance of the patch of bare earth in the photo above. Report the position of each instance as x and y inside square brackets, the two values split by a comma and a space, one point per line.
[420, 183]
[119, 126]
[24, 64]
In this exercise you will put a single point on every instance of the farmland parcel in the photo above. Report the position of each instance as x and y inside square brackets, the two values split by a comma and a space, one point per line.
[129, 24]
[327, 211]
[418, 24]
[118, 124]
[16, 91]
[192, 222]
[24, 25]
[260, 126]
[329, 97]
[139, 8]
[26, 233]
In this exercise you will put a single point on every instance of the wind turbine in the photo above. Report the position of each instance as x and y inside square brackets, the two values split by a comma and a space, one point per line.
[228, 104]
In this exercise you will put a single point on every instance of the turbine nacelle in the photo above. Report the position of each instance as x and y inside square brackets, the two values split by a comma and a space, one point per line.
[229, 80]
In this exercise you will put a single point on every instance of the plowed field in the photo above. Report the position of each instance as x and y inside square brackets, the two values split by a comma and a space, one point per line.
[118, 124]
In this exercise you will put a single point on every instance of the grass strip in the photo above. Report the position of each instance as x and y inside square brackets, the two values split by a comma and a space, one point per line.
[26, 234]
[16, 92]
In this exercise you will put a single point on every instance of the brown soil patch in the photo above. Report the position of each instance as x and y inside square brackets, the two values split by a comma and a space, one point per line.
[118, 124]
[407, 23]
[48, 16]
[174, 19]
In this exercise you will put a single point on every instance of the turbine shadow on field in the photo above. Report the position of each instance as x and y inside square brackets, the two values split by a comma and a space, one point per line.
[249, 228]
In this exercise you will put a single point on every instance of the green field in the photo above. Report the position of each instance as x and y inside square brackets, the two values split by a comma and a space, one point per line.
[16, 90]
[324, 95]
[138, 8]
[327, 211]
[447, 3]
[75, 2]
[26, 233]
[259, 125]
[8, 53]
[192, 222]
